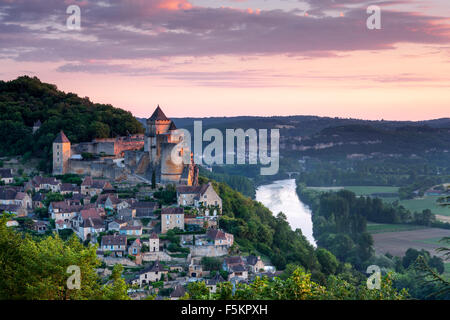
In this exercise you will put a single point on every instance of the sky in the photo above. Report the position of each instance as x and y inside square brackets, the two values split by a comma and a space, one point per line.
[204, 58]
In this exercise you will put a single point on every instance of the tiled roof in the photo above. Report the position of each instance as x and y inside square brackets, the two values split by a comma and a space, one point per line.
[216, 234]
[114, 240]
[172, 126]
[7, 194]
[172, 210]
[193, 189]
[92, 213]
[38, 197]
[131, 228]
[216, 279]
[46, 180]
[178, 292]
[87, 181]
[252, 260]
[158, 114]
[5, 173]
[145, 204]
[95, 223]
[153, 236]
[234, 260]
[68, 187]
[61, 138]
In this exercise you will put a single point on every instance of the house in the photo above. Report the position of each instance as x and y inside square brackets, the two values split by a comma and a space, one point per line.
[214, 281]
[153, 243]
[39, 226]
[172, 218]
[220, 238]
[255, 263]
[108, 201]
[238, 271]
[89, 223]
[11, 196]
[131, 230]
[135, 248]
[77, 199]
[115, 225]
[67, 188]
[38, 200]
[230, 262]
[63, 213]
[178, 292]
[117, 244]
[195, 268]
[6, 176]
[150, 274]
[145, 209]
[203, 196]
[91, 187]
[126, 214]
[39, 183]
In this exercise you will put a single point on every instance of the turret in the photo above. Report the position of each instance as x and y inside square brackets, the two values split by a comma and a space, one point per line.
[61, 154]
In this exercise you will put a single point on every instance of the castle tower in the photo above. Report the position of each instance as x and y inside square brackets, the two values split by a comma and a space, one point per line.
[61, 154]
[157, 125]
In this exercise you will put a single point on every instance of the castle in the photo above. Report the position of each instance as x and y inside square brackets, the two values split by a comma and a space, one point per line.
[132, 158]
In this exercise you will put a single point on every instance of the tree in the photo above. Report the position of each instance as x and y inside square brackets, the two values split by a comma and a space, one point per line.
[198, 290]
[35, 270]
[117, 289]
[327, 260]
[153, 179]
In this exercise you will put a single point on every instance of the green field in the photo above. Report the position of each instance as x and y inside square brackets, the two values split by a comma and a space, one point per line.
[435, 241]
[447, 268]
[360, 190]
[414, 205]
[428, 202]
[382, 227]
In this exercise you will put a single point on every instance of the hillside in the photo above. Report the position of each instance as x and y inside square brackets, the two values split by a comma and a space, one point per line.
[25, 100]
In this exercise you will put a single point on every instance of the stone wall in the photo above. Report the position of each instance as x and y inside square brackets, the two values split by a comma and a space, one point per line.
[208, 251]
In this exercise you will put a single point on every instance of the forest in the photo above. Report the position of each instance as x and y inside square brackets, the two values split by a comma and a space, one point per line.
[26, 100]
[340, 226]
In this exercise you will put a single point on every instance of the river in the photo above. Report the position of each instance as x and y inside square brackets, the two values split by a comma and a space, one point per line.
[281, 196]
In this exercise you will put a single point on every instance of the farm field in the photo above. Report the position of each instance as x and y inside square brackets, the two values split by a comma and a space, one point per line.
[427, 202]
[382, 228]
[414, 205]
[359, 190]
[397, 242]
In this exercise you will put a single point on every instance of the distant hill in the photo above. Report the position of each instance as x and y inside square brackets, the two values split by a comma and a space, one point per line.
[340, 137]
[26, 100]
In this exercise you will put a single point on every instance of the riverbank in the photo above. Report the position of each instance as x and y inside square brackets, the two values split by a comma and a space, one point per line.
[281, 196]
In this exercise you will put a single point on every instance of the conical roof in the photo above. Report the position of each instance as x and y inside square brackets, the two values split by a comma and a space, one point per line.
[172, 126]
[61, 138]
[158, 114]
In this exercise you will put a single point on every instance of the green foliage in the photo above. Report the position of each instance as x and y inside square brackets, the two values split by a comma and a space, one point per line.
[117, 289]
[37, 270]
[167, 196]
[256, 229]
[211, 263]
[299, 286]
[53, 197]
[26, 100]
[198, 290]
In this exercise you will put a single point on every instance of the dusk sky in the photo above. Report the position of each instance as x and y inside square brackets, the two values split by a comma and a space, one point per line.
[238, 57]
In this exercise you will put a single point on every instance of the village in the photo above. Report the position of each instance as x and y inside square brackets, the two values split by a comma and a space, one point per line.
[153, 218]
